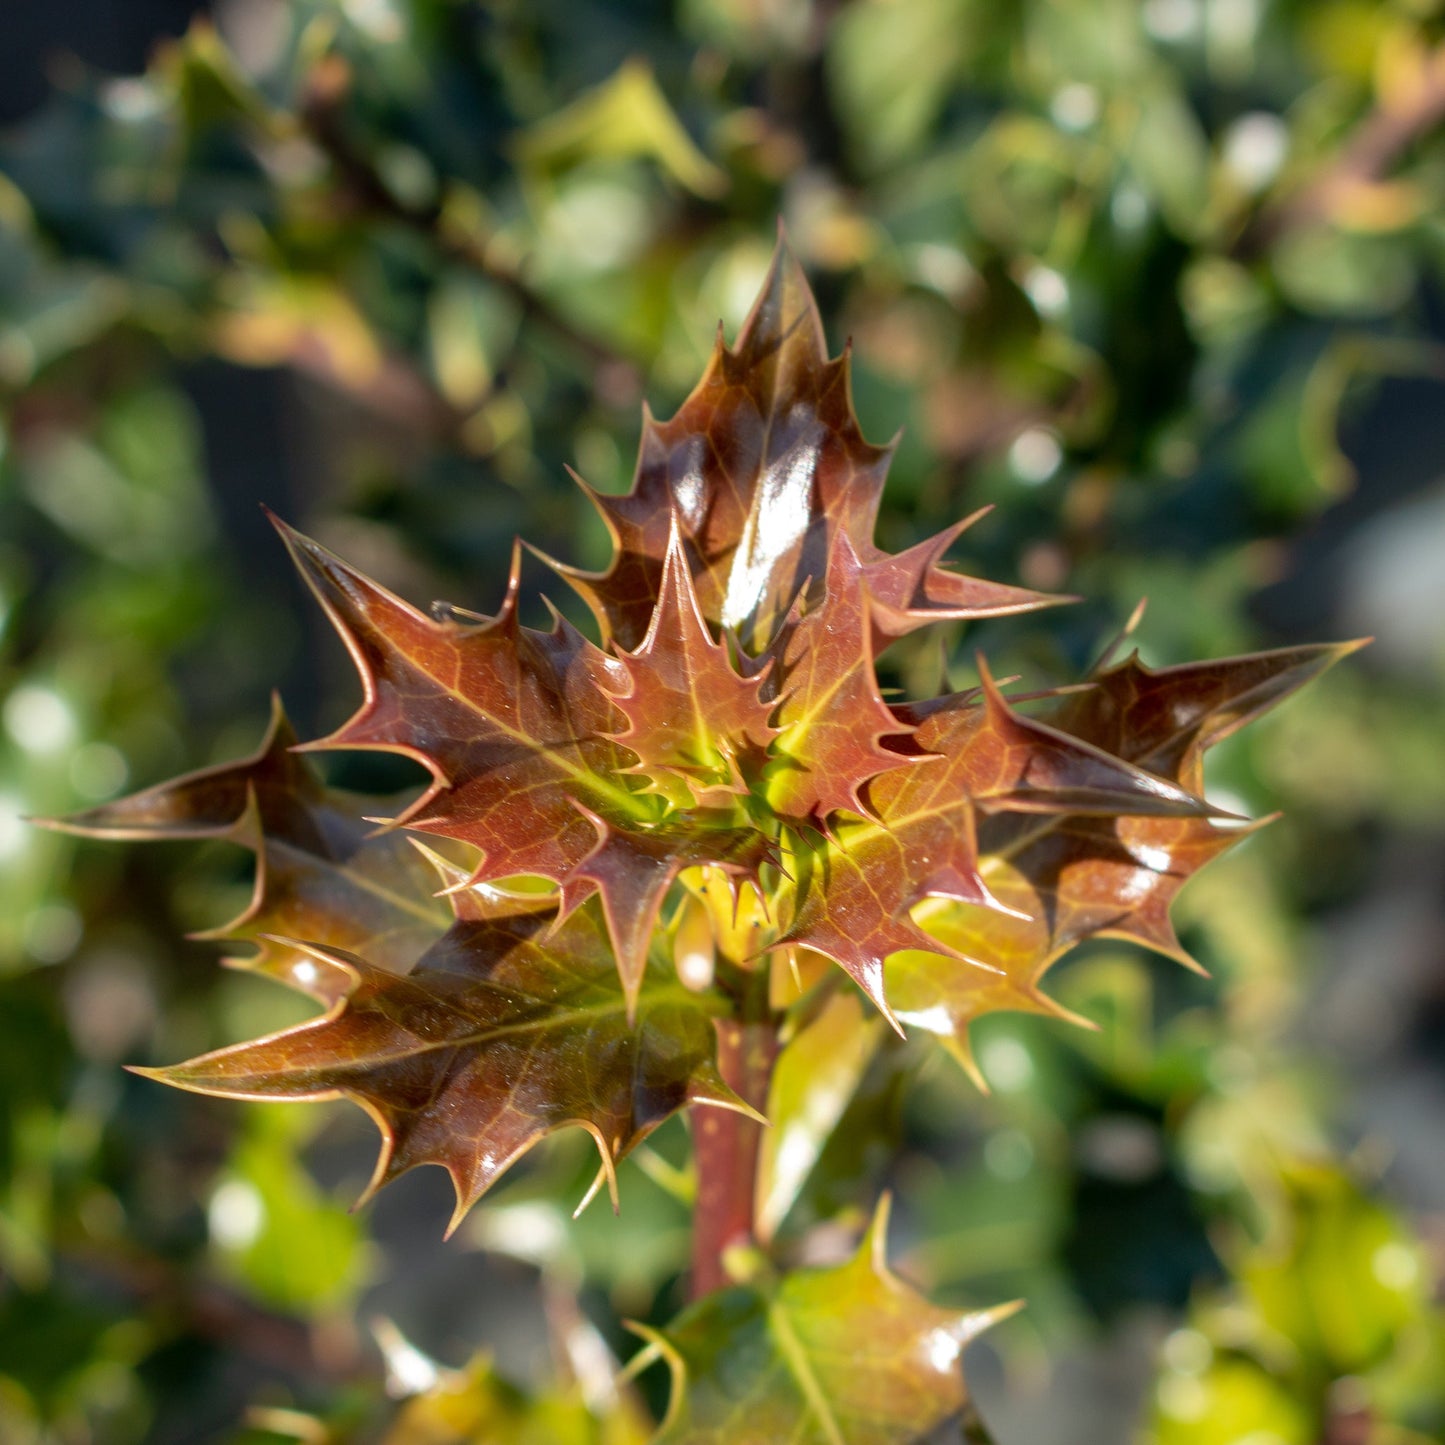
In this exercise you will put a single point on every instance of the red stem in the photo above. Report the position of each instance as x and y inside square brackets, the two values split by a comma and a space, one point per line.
[725, 1143]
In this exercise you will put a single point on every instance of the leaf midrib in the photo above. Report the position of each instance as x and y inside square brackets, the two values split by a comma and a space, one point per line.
[554, 753]
[795, 1358]
[358, 880]
[551, 1022]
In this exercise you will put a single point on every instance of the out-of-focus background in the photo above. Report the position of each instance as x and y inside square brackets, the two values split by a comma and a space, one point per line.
[1162, 281]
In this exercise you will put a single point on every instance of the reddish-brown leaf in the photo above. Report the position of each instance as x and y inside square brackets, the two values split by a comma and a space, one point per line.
[323, 871]
[1165, 719]
[692, 718]
[853, 897]
[943, 852]
[1076, 876]
[512, 1026]
[831, 717]
[518, 729]
[762, 466]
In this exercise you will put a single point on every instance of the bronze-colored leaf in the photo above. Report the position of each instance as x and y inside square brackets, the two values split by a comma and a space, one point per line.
[518, 729]
[844, 1356]
[1165, 719]
[852, 897]
[1076, 876]
[832, 720]
[692, 718]
[762, 466]
[729, 726]
[911, 589]
[513, 1025]
[323, 871]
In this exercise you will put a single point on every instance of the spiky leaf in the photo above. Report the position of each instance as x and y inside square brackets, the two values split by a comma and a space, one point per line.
[478, 1404]
[832, 719]
[324, 872]
[518, 729]
[845, 1356]
[1077, 875]
[761, 467]
[977, 759]
[728, 725]
[692, 717]
[512, 1026]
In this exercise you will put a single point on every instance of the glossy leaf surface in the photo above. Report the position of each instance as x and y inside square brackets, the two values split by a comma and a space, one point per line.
[518, 728]
[844, 1356]
[324, 872]
[691, 716]
[762, 467]
[477, 1404]
[833, 719]
[727, 725]
[977, 760]
[815, 1077]
[508, 1029]
[1066, 878]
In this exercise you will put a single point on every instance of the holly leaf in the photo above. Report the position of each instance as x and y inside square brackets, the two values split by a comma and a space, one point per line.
[852, 895]
[814, 1080]
[832, 720]
[1077, 876]
[762, 467]
[513, 1025]
[729, 727]
[844, 1356]
[1166, 719]
[692, 717]
[912, 589]
[519, 730]
[478, 1404]
[324, 871]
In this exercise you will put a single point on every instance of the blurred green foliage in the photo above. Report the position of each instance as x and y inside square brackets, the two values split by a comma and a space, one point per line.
[1126, 271]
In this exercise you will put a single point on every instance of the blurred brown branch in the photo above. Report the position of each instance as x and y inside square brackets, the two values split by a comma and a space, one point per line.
[1407, 115]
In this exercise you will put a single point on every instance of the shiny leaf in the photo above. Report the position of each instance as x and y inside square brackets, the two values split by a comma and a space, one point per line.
[324, 872]
[477, 1404]
[761, 467]
[518, 728]
[831, 716]
[1066, 878]
[512, 1026]
[813, 1081]
[690, 714]
[726, 743]
[844, 1356]
[978, 759]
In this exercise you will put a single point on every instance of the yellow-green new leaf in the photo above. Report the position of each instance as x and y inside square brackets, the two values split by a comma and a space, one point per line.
[844, 1356]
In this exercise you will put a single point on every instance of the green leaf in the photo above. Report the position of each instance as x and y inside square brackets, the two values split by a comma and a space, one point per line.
[469, 1406]
[891, 68]
[844, 1356]
[627, 115]
[274, 1229]
[1341, 1278]
[1233, 1399]
[813, 1080]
